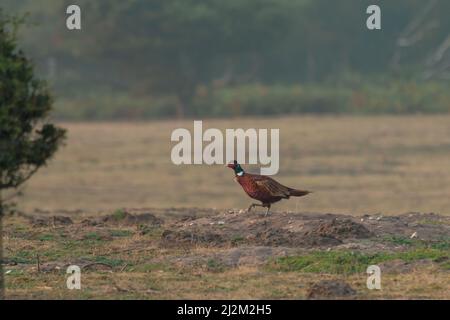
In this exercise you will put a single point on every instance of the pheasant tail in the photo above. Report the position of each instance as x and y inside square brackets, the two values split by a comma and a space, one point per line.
[298, 193]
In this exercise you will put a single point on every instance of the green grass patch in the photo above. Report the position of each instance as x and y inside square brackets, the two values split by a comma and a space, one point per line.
[237, 240]
[106, 260]
[80, 246]
[153, 232]
[441, 244]
[93, 236]
[433, 222]
[446, 265]
[121, 233]
[149, 267]
[46, 237]
[344, 262]
[119, 214]
[25, 257]
[214, 266]
[14, 273]
[401, 241]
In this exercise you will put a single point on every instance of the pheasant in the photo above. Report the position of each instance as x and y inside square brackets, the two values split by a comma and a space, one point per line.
[263, 188]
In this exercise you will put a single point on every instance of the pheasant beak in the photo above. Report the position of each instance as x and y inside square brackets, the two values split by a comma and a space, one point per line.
[230, 165]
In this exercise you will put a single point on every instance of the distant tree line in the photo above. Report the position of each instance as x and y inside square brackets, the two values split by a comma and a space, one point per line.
[176, 51]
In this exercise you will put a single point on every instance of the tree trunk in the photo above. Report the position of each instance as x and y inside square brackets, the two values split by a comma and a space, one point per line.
[180, 108]
[184, 100]
[311, 66]
[2, 278]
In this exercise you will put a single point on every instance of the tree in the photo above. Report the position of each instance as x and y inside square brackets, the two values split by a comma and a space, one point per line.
[169, 47]
[27, 138]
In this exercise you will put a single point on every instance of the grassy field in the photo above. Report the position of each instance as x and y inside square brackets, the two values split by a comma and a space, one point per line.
[186, 243]
[228, 257]
[357, 165]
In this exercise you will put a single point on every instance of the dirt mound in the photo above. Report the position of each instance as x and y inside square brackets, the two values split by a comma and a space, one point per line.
[124, 218]
[340, 229]
[423, 226]
[294, 231]
[330, 289]
[184, 237]
[271, 237]
[42, 221]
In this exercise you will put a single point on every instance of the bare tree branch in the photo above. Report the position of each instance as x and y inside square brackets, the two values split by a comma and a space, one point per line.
[415, 27]
[415, 31]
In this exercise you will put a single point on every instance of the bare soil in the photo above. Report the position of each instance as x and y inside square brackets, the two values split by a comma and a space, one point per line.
[191, 243]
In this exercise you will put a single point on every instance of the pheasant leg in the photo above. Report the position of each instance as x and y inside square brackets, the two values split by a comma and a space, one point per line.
[254, 205]
[267, 211]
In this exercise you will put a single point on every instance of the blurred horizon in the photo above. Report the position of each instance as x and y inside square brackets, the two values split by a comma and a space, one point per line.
[186, 58]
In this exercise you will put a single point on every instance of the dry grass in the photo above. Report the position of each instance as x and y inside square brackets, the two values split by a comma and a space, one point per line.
[241, 283]
[388, 164]
[355, 165]
[141, 269]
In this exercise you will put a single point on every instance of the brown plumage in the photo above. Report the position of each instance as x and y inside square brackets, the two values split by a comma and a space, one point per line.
[263, 188]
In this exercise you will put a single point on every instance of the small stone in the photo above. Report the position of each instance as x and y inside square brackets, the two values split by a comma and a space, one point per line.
[414, 235]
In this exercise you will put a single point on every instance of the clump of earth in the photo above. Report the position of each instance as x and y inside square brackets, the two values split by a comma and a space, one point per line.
[330, 289]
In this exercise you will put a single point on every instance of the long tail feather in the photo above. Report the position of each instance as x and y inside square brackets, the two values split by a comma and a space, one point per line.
[298, 193]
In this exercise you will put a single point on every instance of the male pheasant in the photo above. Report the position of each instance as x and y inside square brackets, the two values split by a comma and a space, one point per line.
[263, 188]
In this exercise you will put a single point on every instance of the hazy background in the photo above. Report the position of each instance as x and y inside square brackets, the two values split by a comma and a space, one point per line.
[363, 114]
[165, 58]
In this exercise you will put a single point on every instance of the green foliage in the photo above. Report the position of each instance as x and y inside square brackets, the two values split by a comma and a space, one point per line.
[27, 140]
[119, 214]
[368, 97]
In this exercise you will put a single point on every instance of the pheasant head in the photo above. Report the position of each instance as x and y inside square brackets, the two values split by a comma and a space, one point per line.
[236, 167]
